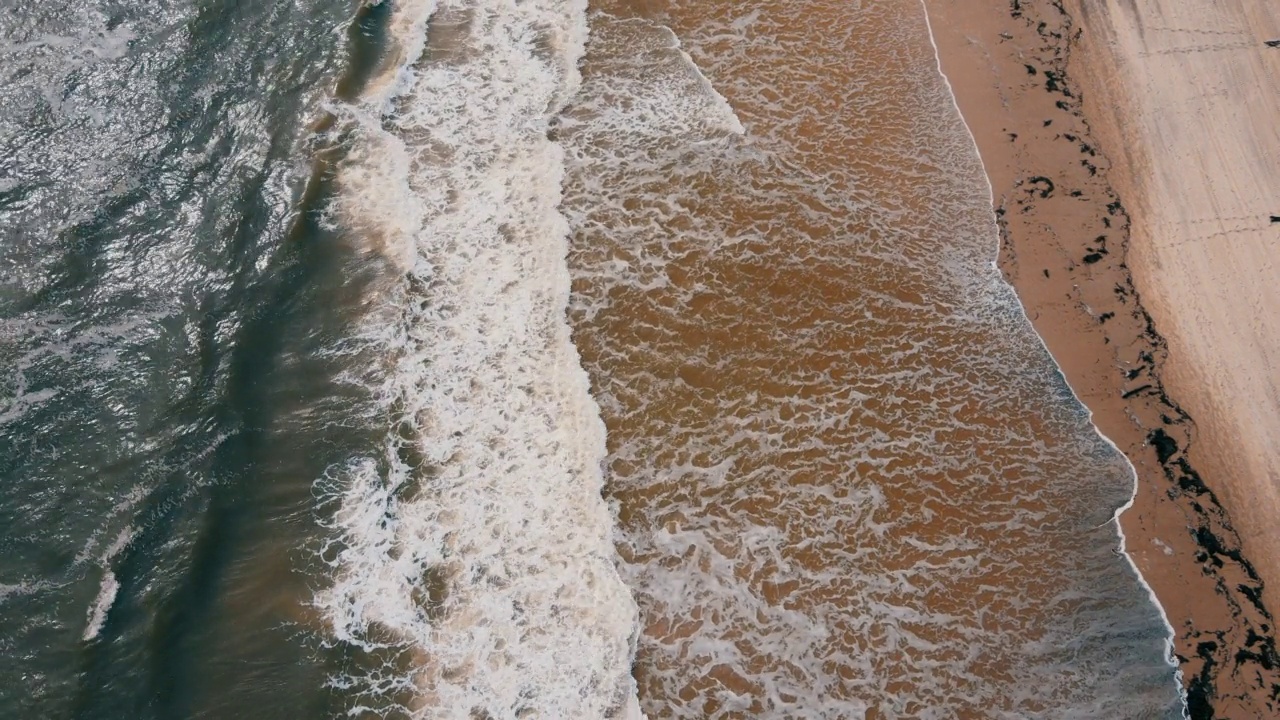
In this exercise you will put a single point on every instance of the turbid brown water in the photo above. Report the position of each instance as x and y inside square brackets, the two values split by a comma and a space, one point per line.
[850, 481]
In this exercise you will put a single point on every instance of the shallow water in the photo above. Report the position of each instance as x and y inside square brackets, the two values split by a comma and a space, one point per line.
[850, 481]
[293, 422]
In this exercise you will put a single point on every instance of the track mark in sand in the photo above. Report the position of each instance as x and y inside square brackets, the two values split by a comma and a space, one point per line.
[1214, 47]
[1211, 40]
[1200, 32]
[1219, 220]
[1240, 224]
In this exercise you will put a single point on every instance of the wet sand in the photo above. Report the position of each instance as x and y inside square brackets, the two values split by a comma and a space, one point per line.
[1132, 162]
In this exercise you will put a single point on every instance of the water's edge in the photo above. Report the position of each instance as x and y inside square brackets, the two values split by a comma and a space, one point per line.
[1115, 520]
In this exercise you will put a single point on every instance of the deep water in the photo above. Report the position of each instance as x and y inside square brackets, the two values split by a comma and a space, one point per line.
[171, 307]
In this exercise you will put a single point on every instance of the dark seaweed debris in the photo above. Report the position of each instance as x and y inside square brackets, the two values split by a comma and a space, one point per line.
[1048, 188]
[1245, 651]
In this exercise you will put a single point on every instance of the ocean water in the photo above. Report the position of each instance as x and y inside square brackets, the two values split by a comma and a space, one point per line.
[514, 359]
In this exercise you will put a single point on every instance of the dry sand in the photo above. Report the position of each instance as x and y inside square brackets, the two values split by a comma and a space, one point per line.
[1134, 155]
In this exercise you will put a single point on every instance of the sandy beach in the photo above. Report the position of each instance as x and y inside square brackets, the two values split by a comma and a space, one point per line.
[1133, 159]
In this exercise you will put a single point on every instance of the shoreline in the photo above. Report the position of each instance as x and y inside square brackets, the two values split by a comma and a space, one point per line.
[1001, 241]
[1064, 245]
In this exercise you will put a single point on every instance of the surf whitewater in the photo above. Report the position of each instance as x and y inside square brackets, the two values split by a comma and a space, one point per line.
[473, 559]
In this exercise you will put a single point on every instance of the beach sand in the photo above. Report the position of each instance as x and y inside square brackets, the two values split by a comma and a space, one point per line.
[1134, 157]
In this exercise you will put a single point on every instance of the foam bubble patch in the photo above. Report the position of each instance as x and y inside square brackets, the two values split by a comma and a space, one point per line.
[472, 560]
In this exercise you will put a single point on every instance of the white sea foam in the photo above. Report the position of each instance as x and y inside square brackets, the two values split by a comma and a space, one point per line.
[21, 589]
[108, 586]
[472, 560]
[119, 509]
[106, 597]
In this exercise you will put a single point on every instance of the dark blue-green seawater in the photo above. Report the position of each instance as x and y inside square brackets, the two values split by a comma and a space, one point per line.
[170, 307]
